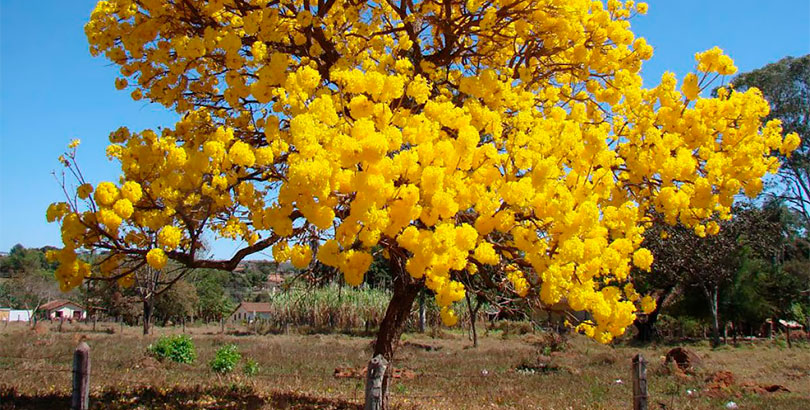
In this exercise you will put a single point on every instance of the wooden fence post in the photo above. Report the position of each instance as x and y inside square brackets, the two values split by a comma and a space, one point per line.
[374, 383]
[639, 382]
[81, 378]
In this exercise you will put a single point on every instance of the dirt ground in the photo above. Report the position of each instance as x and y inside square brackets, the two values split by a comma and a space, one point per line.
[440, 372]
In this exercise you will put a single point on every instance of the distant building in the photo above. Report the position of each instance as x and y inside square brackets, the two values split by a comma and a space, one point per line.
[66, 309]
[274, 281]
[250, 311]
[14, 315]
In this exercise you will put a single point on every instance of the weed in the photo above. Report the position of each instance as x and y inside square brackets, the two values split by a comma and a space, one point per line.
[251, 367]
[225, 359]
[178, 348]
[400, 388]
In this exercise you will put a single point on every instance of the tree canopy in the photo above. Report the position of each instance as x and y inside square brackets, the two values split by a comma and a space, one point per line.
[449, 135]
[786, 86]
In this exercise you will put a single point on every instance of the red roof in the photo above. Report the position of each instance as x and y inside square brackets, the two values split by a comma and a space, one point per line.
[56, 304]
[275, 278]
[254, 307]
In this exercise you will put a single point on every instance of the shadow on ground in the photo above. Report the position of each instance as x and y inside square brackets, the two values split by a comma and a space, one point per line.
[176, 398]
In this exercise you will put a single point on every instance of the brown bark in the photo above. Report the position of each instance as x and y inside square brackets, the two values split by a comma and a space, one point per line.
[147, 315]
[646, 324]
[422, 311]
[711, 295]
[473, 310]
[393, 324]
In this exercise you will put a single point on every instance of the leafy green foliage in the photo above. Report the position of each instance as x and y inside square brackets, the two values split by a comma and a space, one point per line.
[786, 86]
[226, 359]
[251, 367]
[213, 302]
[26, 279]
[177, 302]
[21, 259]
[711, 267]
[178, 348]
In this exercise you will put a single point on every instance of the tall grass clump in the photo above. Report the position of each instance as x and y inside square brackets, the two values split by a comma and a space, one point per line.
[341, 307]
[329, 307]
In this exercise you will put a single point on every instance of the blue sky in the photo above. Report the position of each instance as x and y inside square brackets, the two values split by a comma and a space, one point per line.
[52, 90]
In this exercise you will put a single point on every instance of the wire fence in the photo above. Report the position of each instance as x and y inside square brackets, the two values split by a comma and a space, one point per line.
[10, 364]
[214, 375]
[409, 375]
[111, 378]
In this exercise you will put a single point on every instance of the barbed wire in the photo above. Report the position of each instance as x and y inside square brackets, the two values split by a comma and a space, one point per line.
[273, 374]
[56, 356]
[112, 380]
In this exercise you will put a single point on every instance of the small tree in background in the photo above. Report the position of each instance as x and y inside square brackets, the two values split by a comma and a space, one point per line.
[786, 86]
[29, 282]
[691, 258]
[213, 301]
[177, 303]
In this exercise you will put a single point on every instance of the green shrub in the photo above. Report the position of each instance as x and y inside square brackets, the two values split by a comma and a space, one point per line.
[225, 359]
[251, 367]
[179, 349]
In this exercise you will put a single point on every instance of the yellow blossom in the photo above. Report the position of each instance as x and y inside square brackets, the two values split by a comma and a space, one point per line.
[156, 258]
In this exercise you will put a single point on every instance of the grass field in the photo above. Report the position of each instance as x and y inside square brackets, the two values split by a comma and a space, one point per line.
[443, 372]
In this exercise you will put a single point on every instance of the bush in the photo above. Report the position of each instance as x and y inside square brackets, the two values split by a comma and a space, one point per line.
[510, 327]
[251, 367]
[179, 349]
[225, 359]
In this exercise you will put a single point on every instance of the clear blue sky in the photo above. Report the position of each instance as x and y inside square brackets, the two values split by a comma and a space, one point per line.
[52, 90]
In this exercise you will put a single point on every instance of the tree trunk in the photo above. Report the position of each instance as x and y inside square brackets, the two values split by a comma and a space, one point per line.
[33, 317]
[735, 329]
[712, 296]
[392, 325]
[147, 315]
[422, 312]
[646, 328]
[473, 313]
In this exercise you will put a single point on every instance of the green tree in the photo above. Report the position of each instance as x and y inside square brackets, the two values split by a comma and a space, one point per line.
[24, 259]
[177, 303]
[708, 263]
[30, 280]
[114, 300]
[786, 86]
[213, 302]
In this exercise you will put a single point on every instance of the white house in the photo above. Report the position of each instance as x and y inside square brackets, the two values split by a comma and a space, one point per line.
[14, 315]
[66, 309]
[250, 311]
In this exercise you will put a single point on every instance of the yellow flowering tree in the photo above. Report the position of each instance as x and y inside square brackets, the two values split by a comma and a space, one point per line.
[450, 134]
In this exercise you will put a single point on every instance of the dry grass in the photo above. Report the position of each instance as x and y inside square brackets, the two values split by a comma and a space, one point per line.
[297, 372]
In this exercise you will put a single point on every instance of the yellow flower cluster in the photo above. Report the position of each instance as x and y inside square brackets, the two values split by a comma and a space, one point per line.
[527, 144]
[156, 258]
[714, 61]
[169, 237]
